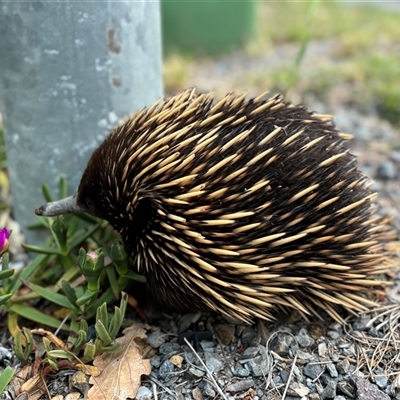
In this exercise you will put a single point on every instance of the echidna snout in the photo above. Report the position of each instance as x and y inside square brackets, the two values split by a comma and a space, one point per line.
[239, 206]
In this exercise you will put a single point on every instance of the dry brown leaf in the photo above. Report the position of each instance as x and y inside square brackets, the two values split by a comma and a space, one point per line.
[177, 360]
[88, 369]
[35, 387]
[120, 371]
[26, 382]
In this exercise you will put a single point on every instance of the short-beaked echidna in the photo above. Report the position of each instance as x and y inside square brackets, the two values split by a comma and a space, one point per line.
[238, 206]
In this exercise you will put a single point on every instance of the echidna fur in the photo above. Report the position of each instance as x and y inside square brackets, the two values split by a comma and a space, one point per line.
[240, 206]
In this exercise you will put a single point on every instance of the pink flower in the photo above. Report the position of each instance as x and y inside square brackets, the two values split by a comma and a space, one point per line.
[4, 242]
[92, 255]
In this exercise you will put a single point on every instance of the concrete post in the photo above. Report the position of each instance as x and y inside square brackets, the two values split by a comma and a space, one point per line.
[70, 72]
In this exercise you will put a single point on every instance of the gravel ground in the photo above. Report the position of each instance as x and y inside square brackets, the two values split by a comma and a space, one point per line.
[290, 358]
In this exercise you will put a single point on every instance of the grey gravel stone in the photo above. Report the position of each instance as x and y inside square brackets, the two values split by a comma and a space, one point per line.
[168, 348]
[366, 390]
[240, 386]
[332, 370]
[257, 366]
[155, 361]
[187, 320]
[206, 344]
[311, 385]
[144, 393]
[196, 372]
[156, 339]
[330, 391]
[380, 379]
[304, 339]
[284, 375]
[325, 378]
[343, 366]
[335, 357]
[240, 371]
[250, 352]
[333, 334]
[250, 337]
[5, 353]
[349, 351]
[213, 364]
[312, 370]
[281, 344]
[298, 374]
[335, 326]
[322, 349]
[387, 170]
[166, 368]
[209, 390]
[360, 324]
[304, 355]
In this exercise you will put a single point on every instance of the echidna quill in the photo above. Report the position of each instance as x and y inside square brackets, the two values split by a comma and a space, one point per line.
[238, 206]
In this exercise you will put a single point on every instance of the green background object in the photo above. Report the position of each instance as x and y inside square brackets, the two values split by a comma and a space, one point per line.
[206, 27]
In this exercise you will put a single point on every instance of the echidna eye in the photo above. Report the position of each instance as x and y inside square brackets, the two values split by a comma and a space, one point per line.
[89, 203]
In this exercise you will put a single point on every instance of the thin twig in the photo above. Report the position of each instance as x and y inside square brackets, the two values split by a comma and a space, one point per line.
[207, 370]
[154, 380]
[290, 377]
[154, 390]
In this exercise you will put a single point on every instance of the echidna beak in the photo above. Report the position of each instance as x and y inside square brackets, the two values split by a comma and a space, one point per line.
[64, 206]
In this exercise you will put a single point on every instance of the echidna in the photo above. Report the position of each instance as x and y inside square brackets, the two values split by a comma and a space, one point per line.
[238, 206]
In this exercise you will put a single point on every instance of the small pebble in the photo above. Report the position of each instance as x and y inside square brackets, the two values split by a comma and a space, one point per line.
[168, 348]
[240, 386]
[322, 349]
[387, 170]
[257, 366]
[188, 320]
[343, 366]
[209, 390]
[196, 372]
[303, 339]
[155, 361]
[250, 352]
[284, 375]
[206, 344]
[332, 370]
[250, 337]
[156, 339]
[213, 364]
[166, 368]
[281, 344]
[329, 391]
[144, 393]
[380, 379]
[196, 394]
[240, 371]
[333, 335]
[304, 355]
[313, 371]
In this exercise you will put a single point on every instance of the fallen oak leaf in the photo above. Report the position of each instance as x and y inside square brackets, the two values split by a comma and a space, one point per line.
[88, 369]
[121, 370]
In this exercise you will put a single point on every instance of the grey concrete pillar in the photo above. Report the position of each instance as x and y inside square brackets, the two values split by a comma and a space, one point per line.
[69, 72]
